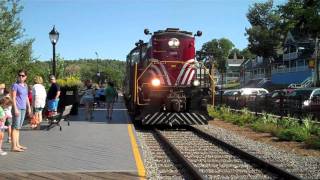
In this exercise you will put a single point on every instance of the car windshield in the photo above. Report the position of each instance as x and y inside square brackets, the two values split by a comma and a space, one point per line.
[300, 93]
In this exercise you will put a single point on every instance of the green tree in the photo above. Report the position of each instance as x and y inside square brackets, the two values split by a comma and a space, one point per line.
[13, 54]
[247, 54]
[301, 14]
[234, 52]
[217, 50]
[264, 35]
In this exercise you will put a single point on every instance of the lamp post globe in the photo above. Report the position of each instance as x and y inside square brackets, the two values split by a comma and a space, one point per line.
[54, 37]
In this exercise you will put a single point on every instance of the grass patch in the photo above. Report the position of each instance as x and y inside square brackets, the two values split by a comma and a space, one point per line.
[294, 134]
[260, 126]
[288, 129]
[313, 142]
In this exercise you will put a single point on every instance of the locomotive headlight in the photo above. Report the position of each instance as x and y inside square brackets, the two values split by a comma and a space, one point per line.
[155, 82]
[174, 42]
[196, 82]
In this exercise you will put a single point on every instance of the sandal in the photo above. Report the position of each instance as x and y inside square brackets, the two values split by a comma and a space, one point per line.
[17, 150]
[23, 148]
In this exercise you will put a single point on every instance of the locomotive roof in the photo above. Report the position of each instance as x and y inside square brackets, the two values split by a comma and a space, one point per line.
[171, 31]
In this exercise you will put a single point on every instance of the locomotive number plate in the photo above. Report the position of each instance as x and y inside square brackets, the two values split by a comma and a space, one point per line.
[173, 66]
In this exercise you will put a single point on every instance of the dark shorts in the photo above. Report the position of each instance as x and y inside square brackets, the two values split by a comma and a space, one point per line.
[37, 110]
[8, 122]
[102, 98]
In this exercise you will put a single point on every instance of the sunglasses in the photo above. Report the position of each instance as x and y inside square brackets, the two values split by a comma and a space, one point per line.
[21, 75]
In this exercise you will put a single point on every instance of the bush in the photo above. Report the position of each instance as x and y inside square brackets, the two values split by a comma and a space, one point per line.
[261, 126]
[315, 129]
[245, 118]
[294, 134]
[313, 142]
[69, 82]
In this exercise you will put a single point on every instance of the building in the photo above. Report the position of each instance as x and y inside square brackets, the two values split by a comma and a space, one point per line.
[294, 68]
[255, 72]
[233, 67]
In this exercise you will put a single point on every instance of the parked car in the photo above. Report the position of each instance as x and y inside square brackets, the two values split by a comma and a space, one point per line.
[231, 92]
[304, 100]
[253, 91]
[275, 101]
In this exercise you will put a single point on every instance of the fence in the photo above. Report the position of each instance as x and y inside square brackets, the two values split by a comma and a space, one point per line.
[281, 106]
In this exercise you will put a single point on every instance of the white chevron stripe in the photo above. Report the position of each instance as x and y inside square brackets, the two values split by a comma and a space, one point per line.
[181, 120]
[183, 69]
[195, 115]
[186, 76]
[182, 114]
[159, 73]
[166, 74]
[194, 121]
[165, 116]
[154, 122]
[190, 77]
[150, 119]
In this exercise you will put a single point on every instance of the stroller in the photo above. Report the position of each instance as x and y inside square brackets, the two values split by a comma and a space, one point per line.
[55, 117]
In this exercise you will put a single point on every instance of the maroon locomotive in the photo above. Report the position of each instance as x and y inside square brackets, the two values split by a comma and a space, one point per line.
[164, 83]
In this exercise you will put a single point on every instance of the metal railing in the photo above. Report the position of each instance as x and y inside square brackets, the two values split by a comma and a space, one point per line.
[282, 106]
[289, 56]
[289, 69]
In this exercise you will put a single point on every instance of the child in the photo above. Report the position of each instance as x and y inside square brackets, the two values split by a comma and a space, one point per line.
[8, 114]
[4, 103]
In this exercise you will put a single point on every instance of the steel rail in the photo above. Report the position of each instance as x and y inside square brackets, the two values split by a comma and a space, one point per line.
[281, 173]
[193, 171]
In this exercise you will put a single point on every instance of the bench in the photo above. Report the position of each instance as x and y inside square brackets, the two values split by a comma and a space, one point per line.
[55, 120]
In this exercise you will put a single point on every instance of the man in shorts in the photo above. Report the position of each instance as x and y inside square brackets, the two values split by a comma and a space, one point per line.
[53, 95]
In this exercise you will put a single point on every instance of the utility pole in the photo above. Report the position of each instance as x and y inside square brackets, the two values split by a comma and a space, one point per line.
[98, 72]
[316, 63]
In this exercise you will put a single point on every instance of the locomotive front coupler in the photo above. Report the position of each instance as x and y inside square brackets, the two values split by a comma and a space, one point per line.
[176, 101]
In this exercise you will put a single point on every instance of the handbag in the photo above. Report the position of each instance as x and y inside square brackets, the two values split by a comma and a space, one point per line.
[34, 121]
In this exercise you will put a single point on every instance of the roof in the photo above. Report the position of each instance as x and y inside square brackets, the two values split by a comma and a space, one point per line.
[234, 62]
[173, 31]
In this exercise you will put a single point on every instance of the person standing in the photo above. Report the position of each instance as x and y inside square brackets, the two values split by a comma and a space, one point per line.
[53, 95]
[111, 95]
[8, 113]
[20, 105]
[88, 99]
[2, 88]
[39, 96]
[4, 103]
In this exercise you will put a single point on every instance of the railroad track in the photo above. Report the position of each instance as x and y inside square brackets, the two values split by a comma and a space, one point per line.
[191, 153]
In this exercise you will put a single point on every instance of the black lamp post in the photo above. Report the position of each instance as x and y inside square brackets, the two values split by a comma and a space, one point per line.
[54, 37]
[98, 71]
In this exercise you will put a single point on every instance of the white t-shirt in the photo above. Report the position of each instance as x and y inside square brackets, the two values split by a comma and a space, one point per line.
[39, 96]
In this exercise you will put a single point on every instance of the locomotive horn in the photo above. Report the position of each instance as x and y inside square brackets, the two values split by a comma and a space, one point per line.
[147, 32]
[199, 33]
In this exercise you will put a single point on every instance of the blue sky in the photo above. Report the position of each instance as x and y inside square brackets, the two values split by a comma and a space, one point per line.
[111, 27]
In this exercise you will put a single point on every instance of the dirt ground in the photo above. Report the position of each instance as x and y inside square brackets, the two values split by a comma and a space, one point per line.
[267, 138]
